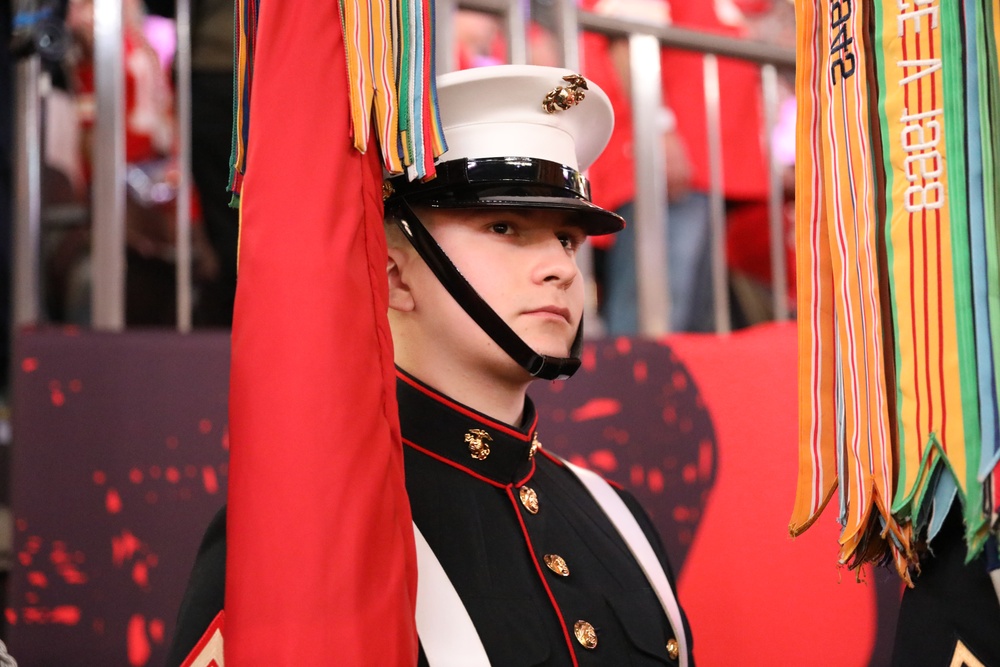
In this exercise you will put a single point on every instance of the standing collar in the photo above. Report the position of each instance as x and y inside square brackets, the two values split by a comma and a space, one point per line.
[449, 431]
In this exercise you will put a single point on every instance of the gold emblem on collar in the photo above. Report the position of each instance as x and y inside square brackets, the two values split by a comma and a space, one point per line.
[479, 443]
[561, 98]
[535, 445]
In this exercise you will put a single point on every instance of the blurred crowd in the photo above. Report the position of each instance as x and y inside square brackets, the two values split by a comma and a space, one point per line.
[151, 177]
[151, 155]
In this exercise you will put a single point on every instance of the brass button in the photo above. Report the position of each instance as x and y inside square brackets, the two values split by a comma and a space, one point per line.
[535, 445]
[479, 443]
[673, 649]
[557, 564]
[585, 634]
[529, 499]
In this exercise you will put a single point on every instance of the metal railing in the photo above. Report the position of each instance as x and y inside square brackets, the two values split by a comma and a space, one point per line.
[650, 169]
[26, 295]
[108, 193]
[644, 41]
[651, 212]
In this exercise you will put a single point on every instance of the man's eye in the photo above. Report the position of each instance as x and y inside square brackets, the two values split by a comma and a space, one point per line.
[570, 241]
[500, 228]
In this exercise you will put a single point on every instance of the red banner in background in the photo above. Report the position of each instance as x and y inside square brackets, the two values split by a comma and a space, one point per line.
[755, 596]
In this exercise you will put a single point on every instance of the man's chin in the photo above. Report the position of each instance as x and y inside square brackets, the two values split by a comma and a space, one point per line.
[550, 348]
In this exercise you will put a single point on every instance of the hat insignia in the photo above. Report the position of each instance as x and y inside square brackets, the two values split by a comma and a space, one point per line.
[561, 98]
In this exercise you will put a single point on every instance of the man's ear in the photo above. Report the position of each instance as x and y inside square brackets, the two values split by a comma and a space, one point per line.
[400, 296]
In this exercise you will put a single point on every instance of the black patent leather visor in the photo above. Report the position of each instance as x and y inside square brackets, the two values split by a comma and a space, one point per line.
[508, 182]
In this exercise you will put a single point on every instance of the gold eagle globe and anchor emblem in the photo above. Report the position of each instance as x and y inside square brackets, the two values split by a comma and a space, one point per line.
[479, 443]
[535, 445]
[561, 98]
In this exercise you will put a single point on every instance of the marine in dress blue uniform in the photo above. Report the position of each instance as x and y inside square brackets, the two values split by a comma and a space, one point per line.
[537, 556]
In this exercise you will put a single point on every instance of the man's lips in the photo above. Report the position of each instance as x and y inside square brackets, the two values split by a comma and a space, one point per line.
[550, 311]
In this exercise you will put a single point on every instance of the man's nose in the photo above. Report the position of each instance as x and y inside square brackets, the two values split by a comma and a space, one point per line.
[555, 263]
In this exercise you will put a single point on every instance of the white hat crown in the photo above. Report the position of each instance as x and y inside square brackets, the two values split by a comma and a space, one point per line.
[500, 112]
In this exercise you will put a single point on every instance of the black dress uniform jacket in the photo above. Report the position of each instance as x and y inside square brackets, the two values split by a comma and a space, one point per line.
[530, 553]
[952, 610]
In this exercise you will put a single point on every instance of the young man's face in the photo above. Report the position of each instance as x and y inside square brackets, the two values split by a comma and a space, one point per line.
[522, 262]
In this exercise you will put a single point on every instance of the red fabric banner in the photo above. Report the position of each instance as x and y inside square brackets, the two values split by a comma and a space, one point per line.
[321, 564]
[752, 595]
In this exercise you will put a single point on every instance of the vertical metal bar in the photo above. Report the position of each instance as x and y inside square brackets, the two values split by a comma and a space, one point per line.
[769, 81]
[568, 34]
[183, 201]
[444, 36]
[516, 22]
[650, 187]
[28, 198]
[716, 198]
[108, 154]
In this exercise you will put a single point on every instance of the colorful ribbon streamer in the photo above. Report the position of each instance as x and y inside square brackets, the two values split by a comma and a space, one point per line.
[899, 294]
[391, 70]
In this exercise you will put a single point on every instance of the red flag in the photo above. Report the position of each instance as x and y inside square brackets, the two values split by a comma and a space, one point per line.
[321, 563]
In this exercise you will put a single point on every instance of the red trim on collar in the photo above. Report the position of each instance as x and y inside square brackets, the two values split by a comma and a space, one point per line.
[541, 577]
[528, 476]
[468, 412]
[458, 466]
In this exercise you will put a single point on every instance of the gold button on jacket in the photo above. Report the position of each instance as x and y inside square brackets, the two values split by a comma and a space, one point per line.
[585, 634]
[529, 499]
[673, 649]
[557, 564]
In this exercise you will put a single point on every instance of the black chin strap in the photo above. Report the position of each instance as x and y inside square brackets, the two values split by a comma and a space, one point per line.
[538, 365]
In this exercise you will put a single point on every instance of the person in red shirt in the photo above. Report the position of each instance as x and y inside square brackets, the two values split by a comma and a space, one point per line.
[149, 123]
[685, 145]
[150, 229]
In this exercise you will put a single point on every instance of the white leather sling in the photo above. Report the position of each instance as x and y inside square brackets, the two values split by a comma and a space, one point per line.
[446, 632]
[445, 629]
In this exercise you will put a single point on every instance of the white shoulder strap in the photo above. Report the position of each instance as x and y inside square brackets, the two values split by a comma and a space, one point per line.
[446, 632]
[616, 510]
